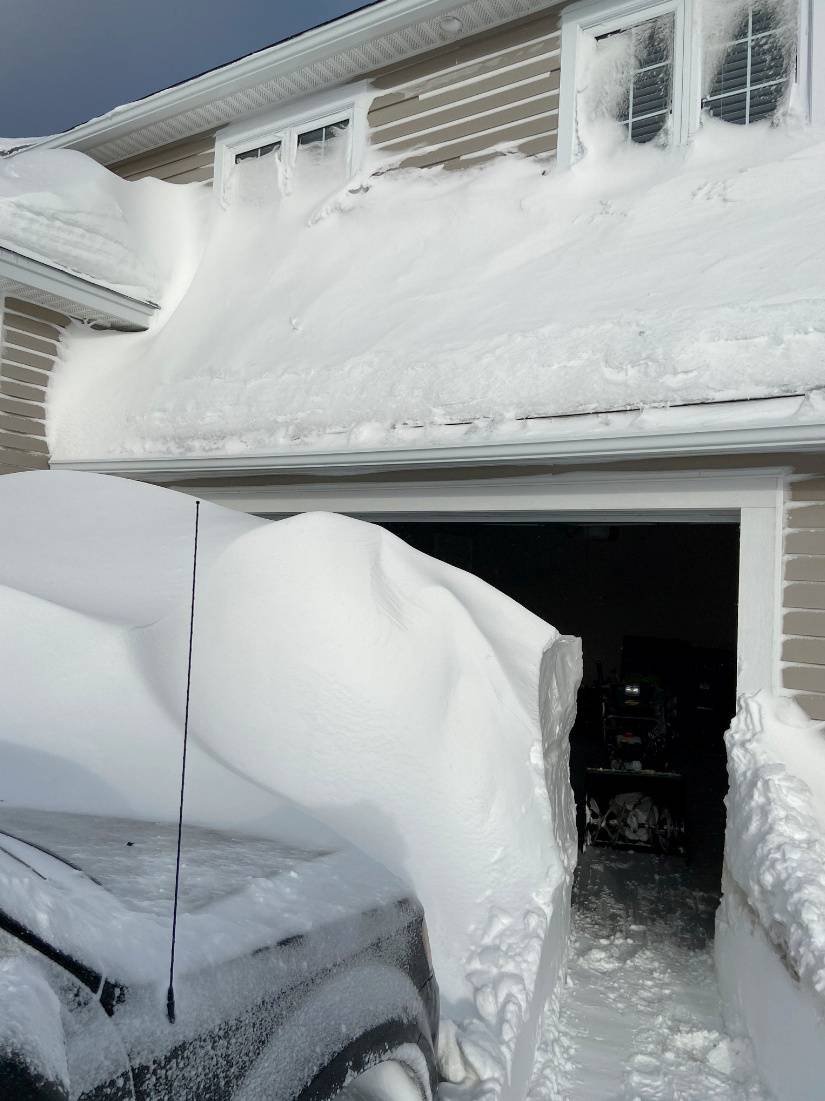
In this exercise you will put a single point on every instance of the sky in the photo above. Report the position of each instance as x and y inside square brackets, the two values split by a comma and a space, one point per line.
[65, 61]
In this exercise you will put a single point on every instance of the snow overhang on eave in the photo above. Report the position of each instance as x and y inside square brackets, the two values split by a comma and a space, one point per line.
[382, 33]
[766, 426]
[34, 280]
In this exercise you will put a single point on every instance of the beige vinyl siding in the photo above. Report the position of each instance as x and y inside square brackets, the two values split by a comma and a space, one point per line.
[29, 347]
[803, 644]
[456, 105]
[189, 161]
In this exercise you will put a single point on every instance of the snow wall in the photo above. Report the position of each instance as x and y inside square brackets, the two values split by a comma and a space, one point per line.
[410, 707]
[770, 927]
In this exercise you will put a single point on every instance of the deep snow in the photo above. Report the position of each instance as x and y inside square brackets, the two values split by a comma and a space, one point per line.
[414, 300]
[412, 708]
[640, 1017]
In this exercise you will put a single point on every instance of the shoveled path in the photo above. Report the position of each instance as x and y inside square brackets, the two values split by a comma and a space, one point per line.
[640, 1015]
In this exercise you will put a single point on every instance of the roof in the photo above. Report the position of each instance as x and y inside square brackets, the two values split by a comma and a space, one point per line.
[639, 299]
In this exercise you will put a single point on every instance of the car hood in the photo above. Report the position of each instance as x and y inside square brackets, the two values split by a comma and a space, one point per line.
[100, 890]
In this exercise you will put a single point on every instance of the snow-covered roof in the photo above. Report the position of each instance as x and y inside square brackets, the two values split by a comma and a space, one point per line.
[431, 308]
[62, 209]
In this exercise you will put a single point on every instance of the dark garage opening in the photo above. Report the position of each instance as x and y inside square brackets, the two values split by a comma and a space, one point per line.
[655, 605]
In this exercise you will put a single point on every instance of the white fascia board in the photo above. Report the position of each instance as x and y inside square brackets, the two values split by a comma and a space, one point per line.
[317, 44]
[636, 441]
[97, 302]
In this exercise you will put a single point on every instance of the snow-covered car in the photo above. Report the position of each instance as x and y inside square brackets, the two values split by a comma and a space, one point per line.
[298, 975]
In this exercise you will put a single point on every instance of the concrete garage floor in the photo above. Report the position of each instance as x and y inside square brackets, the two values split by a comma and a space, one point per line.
[640, 1015]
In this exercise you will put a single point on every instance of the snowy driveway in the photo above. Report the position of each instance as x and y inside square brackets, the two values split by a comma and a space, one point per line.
[640, 1015]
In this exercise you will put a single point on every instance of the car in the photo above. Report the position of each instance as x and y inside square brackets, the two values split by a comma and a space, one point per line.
[299, 975]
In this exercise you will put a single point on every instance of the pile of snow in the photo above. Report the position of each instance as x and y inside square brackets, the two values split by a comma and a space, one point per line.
[770, 927]
[409, 706]
[775, 840]
[62, 208]
[379, 315]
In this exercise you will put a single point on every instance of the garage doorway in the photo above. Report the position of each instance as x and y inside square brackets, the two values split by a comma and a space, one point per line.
[655, 604]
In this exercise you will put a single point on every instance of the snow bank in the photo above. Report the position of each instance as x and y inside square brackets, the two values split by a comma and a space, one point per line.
[412, 708]
[376, 317]
[63, 208]
[770, 946]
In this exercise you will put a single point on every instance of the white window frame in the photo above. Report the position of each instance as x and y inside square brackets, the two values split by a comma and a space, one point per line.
[592, 18]
[285, 125]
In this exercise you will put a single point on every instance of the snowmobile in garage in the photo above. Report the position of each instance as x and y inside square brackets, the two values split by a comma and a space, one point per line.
[300, 975]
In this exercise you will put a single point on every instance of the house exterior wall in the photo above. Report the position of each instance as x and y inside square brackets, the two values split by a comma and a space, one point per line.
[452, 105]
[803, 643]
[29, 348]
[455, 104]
[188, 161]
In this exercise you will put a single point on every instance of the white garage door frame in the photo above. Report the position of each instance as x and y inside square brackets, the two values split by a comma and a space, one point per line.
[753, 498]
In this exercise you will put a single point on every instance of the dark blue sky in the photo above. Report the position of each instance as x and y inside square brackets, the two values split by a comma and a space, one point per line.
[65, 61]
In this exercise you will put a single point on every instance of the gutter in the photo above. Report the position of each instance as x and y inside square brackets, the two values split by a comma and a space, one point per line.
[775, 438]
[67, 291]
[349, 32]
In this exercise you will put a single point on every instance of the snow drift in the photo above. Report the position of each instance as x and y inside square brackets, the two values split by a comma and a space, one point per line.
[770, 928]
[412, 708]
[414, 300]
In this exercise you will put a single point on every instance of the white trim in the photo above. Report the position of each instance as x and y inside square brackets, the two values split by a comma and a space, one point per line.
[97, 302]
[286, 123]
[595, 17]
[811, 75]
[591, 497]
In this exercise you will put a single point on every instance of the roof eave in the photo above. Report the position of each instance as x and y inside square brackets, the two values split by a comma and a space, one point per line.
[72, 294]
[623, 443]
[313, 45]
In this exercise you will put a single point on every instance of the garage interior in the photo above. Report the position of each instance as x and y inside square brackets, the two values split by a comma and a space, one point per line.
[655, 604]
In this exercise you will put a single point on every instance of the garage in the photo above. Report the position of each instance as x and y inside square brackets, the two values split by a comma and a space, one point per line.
[655, 604]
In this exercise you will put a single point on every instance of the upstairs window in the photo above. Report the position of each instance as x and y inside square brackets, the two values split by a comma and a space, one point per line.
[643, 56]
[750, 68]
[312, 150]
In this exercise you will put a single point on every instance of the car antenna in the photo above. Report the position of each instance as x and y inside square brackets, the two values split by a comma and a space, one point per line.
[170, 993]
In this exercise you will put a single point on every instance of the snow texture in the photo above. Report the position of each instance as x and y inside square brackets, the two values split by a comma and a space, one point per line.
[775, 840]
[411, 301]
[410, 707]
[62, 208]
[639, 1018]
[30, 1025]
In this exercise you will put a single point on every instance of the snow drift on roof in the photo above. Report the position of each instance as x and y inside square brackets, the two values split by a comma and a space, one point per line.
[63, 208]
[641, 277]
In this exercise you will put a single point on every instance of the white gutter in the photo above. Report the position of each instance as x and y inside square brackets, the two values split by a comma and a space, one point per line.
[68, 291]
[641, 443]
[311, 46]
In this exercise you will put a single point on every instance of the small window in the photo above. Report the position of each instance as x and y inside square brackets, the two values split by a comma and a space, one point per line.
[751, 68]
[322, 136]
[645, 76]
[258, 152]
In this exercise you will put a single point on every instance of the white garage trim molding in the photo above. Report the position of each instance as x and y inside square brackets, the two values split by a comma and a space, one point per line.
[753, 498]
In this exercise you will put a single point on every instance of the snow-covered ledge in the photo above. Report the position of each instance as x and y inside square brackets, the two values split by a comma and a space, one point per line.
[770, 928]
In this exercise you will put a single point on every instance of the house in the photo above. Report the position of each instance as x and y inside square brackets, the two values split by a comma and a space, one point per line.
[653, 482]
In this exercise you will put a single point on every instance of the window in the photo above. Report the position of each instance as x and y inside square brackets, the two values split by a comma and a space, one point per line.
[632, 61]
[750, 68]
[320, 144]
[643, 64]
[646, 77]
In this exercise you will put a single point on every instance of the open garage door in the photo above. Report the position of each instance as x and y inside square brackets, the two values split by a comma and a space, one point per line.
[655, 604]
